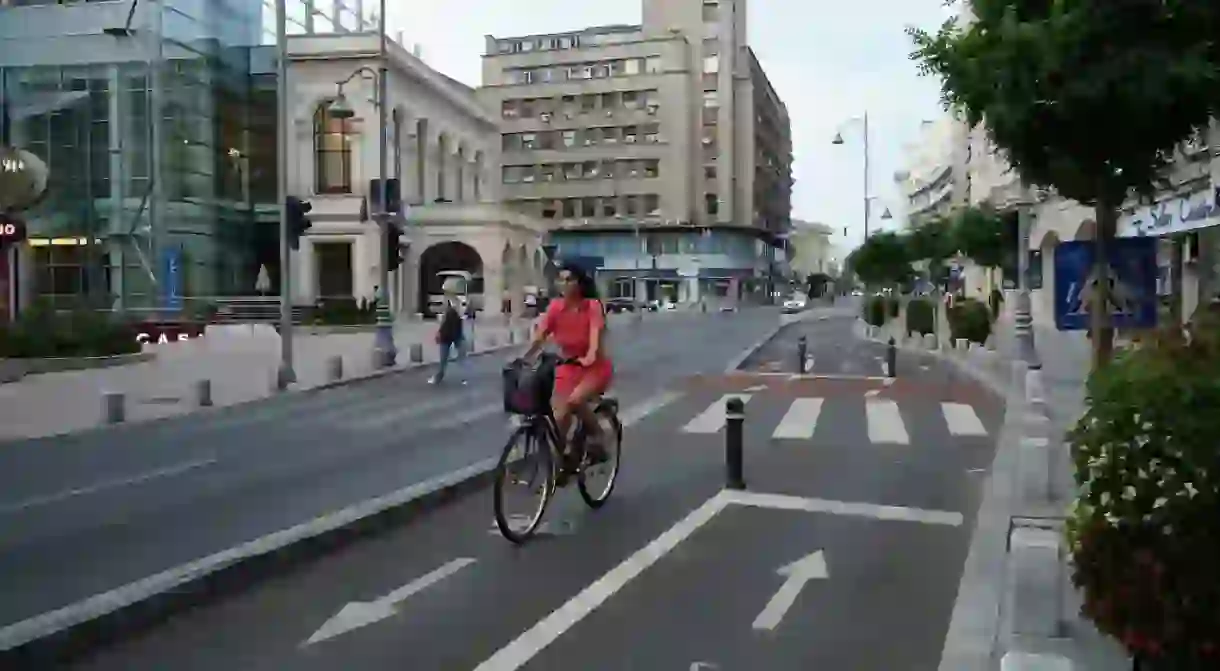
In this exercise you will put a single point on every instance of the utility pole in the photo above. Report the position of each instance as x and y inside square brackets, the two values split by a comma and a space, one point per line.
[286, 375]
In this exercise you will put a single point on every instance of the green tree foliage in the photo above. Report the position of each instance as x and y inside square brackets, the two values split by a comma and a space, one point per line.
[883, 260]
[978, 232]
[1088, 97]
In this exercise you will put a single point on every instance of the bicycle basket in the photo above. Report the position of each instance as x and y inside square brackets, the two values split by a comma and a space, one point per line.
[528, 388]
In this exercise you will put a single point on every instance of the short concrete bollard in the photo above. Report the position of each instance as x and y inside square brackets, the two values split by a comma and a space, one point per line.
[203, 393]
[416, 353]
[1036, 580]
[114, 407]
[960, 344]
[512, 337]
[334, 368]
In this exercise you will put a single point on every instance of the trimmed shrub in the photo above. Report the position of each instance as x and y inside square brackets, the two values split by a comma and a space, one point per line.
[921, 316]
[1142, 531]
[43, 332]
[875, 310]
[970, 319]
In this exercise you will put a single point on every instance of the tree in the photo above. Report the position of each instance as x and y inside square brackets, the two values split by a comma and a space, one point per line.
[883, 259]
[932, 241]
[1047, 78]
[978, 233]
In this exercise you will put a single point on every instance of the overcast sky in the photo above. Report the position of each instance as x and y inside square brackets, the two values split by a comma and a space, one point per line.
[830, 62]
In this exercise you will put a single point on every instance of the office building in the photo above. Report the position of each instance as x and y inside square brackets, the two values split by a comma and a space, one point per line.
[157, 123]
[657, 152]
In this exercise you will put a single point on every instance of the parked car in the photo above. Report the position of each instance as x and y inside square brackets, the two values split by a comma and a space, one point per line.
[616, 305]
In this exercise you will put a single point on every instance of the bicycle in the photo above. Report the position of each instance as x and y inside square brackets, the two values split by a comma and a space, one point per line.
[552, 465]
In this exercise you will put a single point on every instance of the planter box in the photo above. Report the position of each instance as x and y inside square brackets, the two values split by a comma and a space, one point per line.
[12, 370]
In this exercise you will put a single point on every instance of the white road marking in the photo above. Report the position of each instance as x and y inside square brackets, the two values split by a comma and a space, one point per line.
[888, 382]
[962, 420]
[98, 605]
[872, 393]
[801, 420]
[140, 478]
[546, 631]
[711, 420]
[799, 572]
[363, 613]
[885, 422]
[637, 413]
[757, 387]
[846, 508]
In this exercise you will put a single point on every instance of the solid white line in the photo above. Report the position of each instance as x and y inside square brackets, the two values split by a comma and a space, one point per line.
[52, 622]
[851, 509]
[711, 420]
[168, 471]
[962, 420]
[526, 646]
[639, 411]
[801, 420]
[885, 422]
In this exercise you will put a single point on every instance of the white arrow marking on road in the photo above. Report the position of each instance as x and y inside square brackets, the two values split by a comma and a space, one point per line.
[799, 572]
[700, 666]
[359, 614]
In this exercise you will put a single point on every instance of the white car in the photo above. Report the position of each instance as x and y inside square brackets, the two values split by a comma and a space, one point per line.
[794, 305]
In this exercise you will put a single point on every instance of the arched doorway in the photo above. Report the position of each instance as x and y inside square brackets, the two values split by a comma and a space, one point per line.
[450, 255]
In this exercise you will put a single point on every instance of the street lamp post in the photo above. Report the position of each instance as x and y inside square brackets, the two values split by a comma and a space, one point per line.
[838, 140]
[1022, 310]
[384, 352]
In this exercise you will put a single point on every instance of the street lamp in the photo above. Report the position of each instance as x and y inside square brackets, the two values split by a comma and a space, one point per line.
[384, 351]
[838, 140]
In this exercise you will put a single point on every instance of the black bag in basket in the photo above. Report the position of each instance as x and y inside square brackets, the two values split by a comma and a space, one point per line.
[528, 388]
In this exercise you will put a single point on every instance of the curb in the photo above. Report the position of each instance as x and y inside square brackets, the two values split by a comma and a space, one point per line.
[736, 362]
[55, 638]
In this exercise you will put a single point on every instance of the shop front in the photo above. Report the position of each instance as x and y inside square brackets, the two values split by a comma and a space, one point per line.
[1188, 227]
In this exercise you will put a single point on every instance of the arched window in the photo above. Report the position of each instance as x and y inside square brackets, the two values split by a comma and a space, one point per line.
[332, 144]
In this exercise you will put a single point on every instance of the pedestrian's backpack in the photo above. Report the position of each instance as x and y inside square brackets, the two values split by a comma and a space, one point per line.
[451, 325]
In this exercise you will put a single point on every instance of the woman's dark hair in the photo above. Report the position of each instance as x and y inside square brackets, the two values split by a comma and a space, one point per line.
[588, 288]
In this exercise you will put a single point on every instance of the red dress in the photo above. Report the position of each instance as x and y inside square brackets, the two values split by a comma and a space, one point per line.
[569, 323]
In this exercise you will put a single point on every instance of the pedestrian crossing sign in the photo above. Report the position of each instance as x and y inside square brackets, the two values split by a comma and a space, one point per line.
[1132, 280]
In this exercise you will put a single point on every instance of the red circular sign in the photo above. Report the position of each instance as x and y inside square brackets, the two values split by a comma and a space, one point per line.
[12, 230]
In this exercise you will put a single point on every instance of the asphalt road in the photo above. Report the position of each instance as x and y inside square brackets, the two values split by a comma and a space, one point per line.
[87, 513]
[871, 495]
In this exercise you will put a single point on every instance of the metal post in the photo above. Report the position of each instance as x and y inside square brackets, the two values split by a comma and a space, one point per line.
[286, 374]
[156, 152]
[866, 180]
[891, 359]
[1022, 319]
[801, 346]
[384, 351]
[734, 416]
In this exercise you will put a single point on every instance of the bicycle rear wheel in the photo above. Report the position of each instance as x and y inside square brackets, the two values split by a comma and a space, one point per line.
[526, 461]
[596, 495]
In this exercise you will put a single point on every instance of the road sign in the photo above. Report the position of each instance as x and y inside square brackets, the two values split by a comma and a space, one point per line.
[1132, 279]
[173, 278]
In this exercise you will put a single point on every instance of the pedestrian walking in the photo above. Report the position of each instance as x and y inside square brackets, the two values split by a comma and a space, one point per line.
[449, 338]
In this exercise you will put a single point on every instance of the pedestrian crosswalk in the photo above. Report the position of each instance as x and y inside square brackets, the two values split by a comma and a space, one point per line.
[886, 421]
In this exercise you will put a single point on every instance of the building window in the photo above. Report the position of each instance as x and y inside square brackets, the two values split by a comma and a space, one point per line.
[711, 203]
[711, 10]
[710, 99]
[711, 64]
[652, 168]
[652, 204]
[652, 65]
[332, 141]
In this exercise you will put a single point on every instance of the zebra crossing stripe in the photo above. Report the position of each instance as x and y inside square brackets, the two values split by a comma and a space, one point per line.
[801, 419]
[962, 420]
[885, 422]
[711, 420]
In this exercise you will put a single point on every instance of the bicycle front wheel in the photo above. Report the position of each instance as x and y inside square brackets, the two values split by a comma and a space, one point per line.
[596, 480]
[527, 465]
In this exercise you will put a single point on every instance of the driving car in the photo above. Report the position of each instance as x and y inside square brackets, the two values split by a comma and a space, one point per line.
[794, 304]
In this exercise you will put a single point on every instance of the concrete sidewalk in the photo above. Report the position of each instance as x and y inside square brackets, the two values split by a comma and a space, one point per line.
[240, 362]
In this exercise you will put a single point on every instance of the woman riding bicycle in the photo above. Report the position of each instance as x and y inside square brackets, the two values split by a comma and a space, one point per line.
[577, 324]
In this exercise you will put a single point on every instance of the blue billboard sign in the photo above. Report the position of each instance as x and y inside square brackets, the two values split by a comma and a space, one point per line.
[1132, 280]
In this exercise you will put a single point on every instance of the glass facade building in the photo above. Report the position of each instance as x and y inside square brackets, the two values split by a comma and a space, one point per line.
[156, 120]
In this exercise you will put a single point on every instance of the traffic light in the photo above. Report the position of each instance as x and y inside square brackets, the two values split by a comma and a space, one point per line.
[298, 220]
[393, 246]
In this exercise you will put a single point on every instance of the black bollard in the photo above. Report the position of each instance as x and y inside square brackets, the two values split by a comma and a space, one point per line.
[735, 417]
[891, 359]
[800, 354]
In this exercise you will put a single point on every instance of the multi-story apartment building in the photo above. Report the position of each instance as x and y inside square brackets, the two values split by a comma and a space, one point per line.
[930, 181]
[657, 152]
